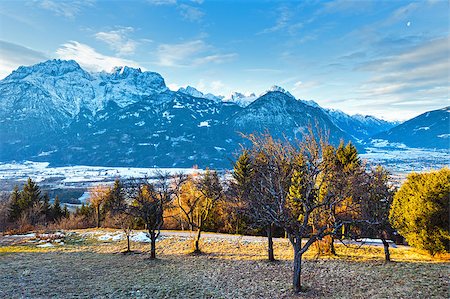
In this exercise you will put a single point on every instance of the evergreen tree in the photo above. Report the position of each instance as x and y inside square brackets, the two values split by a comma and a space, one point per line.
[243, 173]
[15, 210]
[57, 211]
[46, 207]
[242, 189]
[30, 195]
[114, 201]
[65, 212]
[348, 156]
[420, 210]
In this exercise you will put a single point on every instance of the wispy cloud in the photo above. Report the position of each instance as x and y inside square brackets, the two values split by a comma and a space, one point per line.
[162, 2]
[192, 53]
[190, 13]
[284, 15]
[417, 75]
[90, 59]
[118, 40]
[14, 55]
[65, 8]
[188, 10]
[348, 7]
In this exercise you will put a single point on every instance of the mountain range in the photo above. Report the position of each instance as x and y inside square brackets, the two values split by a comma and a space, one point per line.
[57, 112]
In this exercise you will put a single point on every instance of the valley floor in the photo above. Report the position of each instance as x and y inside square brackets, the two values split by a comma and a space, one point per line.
[90, 264]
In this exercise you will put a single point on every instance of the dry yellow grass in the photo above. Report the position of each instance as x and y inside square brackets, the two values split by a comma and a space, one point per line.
[90, 268]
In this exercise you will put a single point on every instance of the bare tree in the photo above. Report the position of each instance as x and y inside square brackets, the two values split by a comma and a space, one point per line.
[148, 200]
[125, 221]
[199, 195]
[290, 181]
[374, 205]
[271, 175]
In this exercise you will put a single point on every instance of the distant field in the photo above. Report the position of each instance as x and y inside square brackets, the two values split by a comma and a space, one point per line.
[90, 265]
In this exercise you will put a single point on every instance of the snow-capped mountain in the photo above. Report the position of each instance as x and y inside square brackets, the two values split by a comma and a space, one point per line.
[241, 99]
[245, 100]
[359, 126]
[277, 89]
[284, 116]
[57, 112]
[192, 91]
[430, 130]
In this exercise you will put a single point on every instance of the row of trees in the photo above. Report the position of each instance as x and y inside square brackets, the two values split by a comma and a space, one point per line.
[312, 191]
[29, 207]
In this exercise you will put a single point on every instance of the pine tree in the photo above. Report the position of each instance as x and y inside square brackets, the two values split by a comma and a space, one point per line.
[30, 195]
[348, 156]
[65, 212]
[15, 210]
[57, 211]
[243, 173]
[46, 207]
[115, 199]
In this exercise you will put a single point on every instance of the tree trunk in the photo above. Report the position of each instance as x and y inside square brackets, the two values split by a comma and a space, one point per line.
[270, 243]
[332, 249]
[128, 243]
[197, 241]
[387, 255]
[297, 267]
[152, 245]
[98, 216]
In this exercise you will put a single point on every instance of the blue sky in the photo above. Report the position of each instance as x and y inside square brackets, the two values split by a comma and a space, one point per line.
[385, 58]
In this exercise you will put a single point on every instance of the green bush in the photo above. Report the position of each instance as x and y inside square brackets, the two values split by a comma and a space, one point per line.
[420, 211]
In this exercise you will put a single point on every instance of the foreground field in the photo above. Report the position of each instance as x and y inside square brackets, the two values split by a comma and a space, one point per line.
[90, 265]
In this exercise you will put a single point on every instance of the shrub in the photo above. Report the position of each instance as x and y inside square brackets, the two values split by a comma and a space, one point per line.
[420, 210]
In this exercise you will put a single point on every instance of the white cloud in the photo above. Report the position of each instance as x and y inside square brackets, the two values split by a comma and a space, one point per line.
[192, 53]
[162, 2]
[13, 55]
[217, 58]
[413, 80]
[90, 59]
[190, 13]
[187, 12]
[215, 87]
[118, 40]
[65, 8]
[284, 15]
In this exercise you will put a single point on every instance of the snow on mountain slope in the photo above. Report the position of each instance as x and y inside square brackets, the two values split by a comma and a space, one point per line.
[57, 112]
[359, 126]
[192, 91]
[428, 130]
[241, 99]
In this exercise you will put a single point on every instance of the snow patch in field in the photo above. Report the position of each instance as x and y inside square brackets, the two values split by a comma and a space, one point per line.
[140, 237]
[31, 235]
[45, 245]
[111, 237]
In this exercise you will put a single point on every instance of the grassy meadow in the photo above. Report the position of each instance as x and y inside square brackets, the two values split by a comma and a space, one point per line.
[87, 266]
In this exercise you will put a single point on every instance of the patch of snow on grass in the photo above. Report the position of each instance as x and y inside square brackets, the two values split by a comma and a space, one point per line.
[140, 237]
[45, 245]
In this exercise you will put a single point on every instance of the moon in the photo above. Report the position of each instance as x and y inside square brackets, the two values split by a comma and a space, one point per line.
[408, 24]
